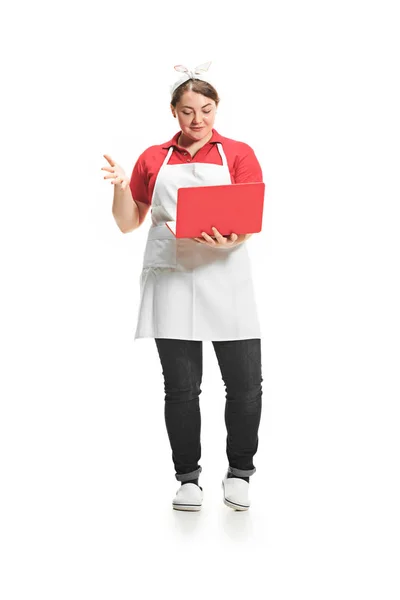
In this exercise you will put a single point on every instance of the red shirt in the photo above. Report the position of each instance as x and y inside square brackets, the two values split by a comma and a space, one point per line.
[242, 162]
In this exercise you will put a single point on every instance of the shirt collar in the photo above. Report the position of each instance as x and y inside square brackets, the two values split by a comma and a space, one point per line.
[213, 140]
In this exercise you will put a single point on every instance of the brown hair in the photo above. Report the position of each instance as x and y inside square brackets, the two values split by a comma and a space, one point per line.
[196, 85]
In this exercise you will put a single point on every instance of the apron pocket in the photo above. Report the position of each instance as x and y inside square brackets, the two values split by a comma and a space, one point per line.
[160, 253]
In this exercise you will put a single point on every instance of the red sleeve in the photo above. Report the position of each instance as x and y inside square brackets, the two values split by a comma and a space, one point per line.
[247, 167]
[138, 182]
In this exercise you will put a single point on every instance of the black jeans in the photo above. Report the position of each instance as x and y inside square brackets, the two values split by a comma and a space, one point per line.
[240, 365]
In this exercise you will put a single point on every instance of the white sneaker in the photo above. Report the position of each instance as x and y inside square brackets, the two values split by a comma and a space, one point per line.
[236, 493]
[188, 497]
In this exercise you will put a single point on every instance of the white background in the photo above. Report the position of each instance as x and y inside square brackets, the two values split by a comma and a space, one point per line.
[87, 478]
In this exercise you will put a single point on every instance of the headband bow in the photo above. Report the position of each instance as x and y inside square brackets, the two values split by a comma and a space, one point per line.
[196, 73]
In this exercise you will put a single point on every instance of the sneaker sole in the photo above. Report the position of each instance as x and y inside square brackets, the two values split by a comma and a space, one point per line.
[191, 507]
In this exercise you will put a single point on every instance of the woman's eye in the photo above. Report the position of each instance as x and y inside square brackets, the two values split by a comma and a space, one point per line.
[205, 111]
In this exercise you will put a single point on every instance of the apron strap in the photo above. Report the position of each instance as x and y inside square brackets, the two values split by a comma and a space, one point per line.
[168, 155]
[222, 153]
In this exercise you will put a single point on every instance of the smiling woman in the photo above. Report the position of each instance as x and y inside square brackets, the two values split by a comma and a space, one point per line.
[190, 291]
[195, 105]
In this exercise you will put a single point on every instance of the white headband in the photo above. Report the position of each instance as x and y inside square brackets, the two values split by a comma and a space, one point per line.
[196, 73]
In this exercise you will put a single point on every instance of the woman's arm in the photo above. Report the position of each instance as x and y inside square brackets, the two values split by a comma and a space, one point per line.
[125, 211]
[131, 206]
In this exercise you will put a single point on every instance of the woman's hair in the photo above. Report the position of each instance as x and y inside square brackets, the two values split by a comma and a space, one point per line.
[196, 85]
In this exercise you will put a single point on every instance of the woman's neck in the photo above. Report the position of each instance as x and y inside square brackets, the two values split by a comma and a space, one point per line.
[186, 142]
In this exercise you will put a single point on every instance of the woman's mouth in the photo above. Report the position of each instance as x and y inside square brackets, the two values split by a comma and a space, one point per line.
[197, 128]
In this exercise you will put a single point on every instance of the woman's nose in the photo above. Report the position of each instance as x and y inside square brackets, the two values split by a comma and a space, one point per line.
[197, 118]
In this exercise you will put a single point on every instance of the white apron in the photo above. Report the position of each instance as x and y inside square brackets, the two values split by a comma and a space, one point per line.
[189, 290]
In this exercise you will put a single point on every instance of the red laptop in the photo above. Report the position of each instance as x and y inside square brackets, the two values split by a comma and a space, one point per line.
[232, 208]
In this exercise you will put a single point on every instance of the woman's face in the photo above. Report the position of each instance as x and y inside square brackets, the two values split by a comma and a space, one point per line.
[196, 115]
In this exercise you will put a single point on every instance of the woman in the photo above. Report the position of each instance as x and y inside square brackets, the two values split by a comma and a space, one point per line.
[195, 289]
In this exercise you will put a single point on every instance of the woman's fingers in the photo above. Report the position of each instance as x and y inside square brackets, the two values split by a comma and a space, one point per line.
[217, 234]
[219, 241]
[109, 159]
[207, 237]
[116, 173]
[223, 240]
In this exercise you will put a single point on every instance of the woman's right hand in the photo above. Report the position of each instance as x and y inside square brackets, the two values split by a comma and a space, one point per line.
[117, 174]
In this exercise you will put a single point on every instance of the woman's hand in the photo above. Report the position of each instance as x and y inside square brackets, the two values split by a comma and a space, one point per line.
[117, 173]
[219, 241]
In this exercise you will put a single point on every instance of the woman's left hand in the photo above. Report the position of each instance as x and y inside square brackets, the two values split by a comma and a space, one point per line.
[219, 241]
